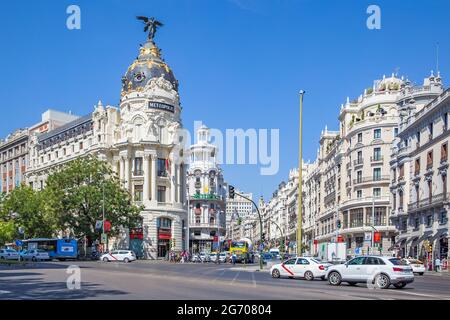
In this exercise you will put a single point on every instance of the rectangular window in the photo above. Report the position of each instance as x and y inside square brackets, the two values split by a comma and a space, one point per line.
[359, 176]
[81, 145]
[376, 154]
[443, 217]
[429, 220]
[377, 174]
[444, 152]
[359, 194]
[162, 167]
[377, 192]
[138, 166]
[430, 159]
[416, 223]
[138, 193]
[401, 172]
[395, 132]
[418, 138]
[430, 128]
[417, 167]
[445, 121]
[161, 194]
[377, 134]
[359, 137]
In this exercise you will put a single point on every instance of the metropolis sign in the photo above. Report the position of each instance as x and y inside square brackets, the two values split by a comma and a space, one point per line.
[161, 106]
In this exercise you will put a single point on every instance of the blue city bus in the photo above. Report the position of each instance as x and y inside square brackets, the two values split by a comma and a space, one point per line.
[61, 249]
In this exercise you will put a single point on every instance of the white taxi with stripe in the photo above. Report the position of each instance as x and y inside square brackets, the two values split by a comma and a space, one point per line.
[119, 255]
[300, 267]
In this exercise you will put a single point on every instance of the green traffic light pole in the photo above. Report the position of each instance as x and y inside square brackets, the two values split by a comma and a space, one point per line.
[260, 226]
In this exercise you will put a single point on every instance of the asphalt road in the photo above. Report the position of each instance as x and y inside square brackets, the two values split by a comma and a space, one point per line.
[161, 280]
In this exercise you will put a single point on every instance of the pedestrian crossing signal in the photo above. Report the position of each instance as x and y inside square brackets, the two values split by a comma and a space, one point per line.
[231, 192]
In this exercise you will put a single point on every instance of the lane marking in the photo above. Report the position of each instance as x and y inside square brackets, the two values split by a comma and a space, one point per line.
[235, 277]
[220, 276]
[5, 292]
[253, 278]
[423, 295]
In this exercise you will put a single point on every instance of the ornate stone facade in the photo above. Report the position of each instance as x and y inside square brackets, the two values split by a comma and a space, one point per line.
[139, 140]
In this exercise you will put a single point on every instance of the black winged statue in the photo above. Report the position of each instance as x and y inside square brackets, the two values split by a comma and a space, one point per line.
[151, 24]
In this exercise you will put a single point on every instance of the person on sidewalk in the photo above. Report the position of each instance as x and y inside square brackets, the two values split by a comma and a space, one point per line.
[437, 264]
[233, 258]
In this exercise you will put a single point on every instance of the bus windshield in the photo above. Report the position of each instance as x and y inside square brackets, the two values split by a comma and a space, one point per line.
[239, 244]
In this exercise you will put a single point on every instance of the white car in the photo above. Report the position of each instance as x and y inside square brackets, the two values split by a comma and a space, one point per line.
[34, 255]
[204, 257]
[301, 267]
[119, 255]
[9, 254]
[373, 270]
[416, 265]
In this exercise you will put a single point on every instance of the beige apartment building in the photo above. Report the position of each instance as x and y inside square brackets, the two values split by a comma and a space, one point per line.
[419, 185]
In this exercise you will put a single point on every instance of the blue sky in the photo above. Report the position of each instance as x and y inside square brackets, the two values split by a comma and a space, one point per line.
[240, 63]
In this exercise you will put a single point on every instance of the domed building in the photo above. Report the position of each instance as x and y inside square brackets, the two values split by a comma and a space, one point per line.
[140, 140]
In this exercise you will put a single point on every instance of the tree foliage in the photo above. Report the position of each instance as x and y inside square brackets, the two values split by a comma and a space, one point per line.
[25, 207]
[76, 195]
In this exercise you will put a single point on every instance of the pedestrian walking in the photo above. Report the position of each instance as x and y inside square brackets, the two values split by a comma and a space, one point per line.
[233, 258]
[437, 264]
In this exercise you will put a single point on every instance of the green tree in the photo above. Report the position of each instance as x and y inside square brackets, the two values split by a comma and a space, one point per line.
[75, 194]
[7, 231]
[25, 207]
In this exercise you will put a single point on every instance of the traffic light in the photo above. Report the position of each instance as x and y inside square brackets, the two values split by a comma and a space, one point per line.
[231, 193]
[339, 224]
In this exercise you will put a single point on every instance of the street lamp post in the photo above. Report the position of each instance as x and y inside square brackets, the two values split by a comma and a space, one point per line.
[300, 179]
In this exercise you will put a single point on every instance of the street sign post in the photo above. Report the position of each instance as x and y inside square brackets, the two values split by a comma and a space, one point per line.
[104, 238]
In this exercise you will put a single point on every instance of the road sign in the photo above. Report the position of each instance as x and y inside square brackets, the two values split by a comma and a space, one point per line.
[98, 224]
[19, 243]
[367, 236]
[21, 230]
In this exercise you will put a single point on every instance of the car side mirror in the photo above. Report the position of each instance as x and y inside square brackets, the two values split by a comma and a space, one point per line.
[346, 264]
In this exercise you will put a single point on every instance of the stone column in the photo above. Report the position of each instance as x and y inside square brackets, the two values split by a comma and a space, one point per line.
[121, 170]
[146, 177]
[127, 173]
[153, 178]
[173, 184]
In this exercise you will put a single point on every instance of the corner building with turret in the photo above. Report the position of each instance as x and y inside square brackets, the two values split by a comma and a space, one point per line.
[139, 140]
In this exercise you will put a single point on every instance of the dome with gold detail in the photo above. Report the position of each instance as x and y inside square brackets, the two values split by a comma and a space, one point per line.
[149, 65]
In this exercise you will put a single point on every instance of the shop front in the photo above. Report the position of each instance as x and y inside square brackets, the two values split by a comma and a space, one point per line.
[164, 226]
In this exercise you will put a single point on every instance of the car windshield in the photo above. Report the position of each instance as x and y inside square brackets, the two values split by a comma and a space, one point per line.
[316, 261]
[238, 245]
[398, 262]
[10, 250]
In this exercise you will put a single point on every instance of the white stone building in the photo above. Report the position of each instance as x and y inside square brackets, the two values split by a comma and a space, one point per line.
[207, 195]
[139, 140]
[419, 168]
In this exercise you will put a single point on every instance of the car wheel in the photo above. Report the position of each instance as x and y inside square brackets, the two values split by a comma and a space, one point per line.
[382, 281]
[421, 273]
[352, 283]
[275, 273]
[105, 259]
[126, 260]
[334, 278]
[309, 276]
[400, 285]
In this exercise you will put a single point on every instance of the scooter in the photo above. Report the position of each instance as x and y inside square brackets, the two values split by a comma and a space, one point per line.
[95, 255]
